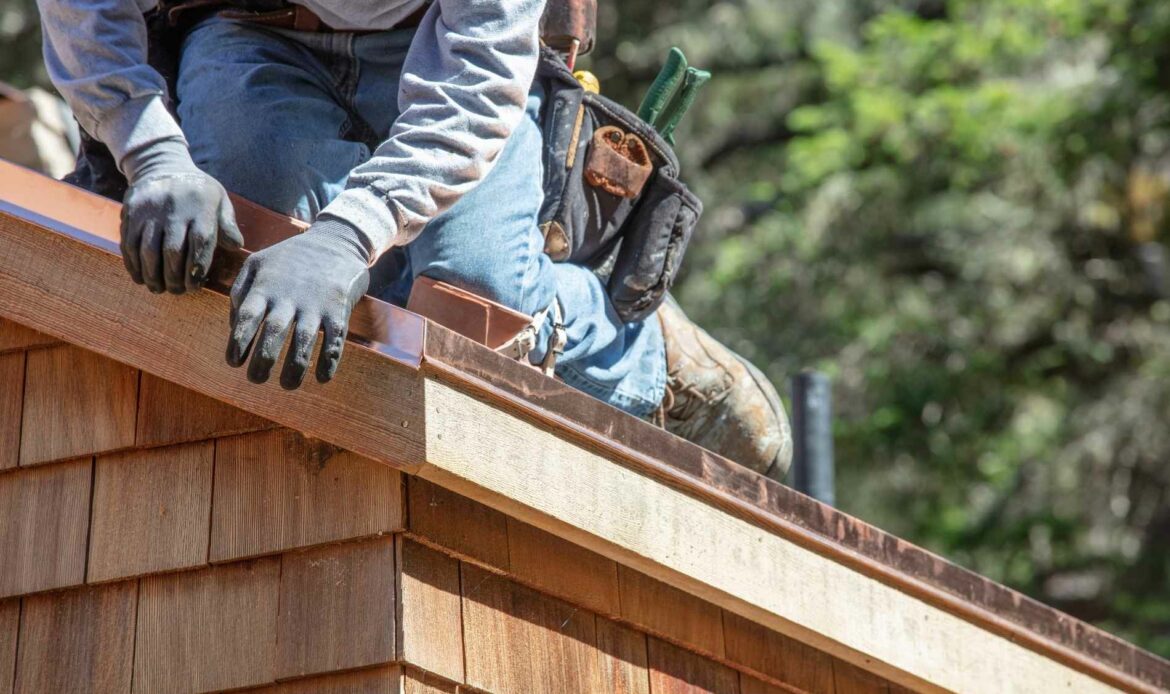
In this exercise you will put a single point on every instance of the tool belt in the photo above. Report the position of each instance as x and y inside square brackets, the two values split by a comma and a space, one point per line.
[613, 200]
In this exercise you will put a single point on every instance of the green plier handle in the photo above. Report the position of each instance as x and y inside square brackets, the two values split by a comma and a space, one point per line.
[663, 87]
[682, 102]
[673, 93]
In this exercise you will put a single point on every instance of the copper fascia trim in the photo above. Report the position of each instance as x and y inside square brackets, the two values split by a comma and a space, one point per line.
[94, 220]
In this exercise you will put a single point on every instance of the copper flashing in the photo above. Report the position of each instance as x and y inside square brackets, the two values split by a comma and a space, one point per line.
[473, 317]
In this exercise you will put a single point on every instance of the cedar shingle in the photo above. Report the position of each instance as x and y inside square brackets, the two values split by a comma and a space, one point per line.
[170, 413]
[850, 679]
[417, 681]
[458, 523]
[276, 490]
[44, 517]
[151, 510]
[777, 655]
[622, 658]
[75, 403]
[14, 336]
[518, 640]
[79, 641]
[432, 624]
[666, 610]
[676, 671]
[208, 630]
[558, 566]
[336, 608]
[11, 400]
[9, 625]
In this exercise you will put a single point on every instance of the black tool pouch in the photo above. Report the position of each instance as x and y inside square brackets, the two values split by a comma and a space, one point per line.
[628, 219]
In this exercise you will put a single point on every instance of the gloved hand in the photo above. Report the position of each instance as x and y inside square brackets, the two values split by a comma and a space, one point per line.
[173, 216]
[313, 279]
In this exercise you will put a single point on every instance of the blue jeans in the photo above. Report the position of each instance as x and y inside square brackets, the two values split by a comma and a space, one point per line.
[281, 117]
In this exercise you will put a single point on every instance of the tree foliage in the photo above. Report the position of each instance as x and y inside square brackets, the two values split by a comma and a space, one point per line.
[956, 208]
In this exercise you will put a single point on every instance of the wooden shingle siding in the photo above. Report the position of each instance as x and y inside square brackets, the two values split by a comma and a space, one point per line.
[431, 626]
[45, 518]
[151, 511]
[776, 655]
[16, 337]
[276, 490]
[850, 679]
[11, 403]
[80, 641]
[458, 523]
[676, 671]
[9, 627]
[75, 403]
[169, 413]
[518, 640]
[336, 608]
[208, 630]
[669, 611]
[621, 656]
[578, 575]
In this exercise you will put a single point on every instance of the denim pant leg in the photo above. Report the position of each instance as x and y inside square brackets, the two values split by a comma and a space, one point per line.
[489, 242]
[262, 113]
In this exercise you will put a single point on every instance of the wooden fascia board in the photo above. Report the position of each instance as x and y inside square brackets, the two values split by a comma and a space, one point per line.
[59, 272]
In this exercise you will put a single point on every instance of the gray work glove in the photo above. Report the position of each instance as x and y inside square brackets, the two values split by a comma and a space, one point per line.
[313, 280]
[173, 217]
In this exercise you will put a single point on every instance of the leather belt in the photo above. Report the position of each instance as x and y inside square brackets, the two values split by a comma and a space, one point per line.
[299, 18]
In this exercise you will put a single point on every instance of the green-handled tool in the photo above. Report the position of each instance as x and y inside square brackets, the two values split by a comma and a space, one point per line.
[682, 102]
[672, 94]
[665, 85]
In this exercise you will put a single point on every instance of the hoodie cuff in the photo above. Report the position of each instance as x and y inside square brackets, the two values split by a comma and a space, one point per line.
[136, 125]
[370, 215]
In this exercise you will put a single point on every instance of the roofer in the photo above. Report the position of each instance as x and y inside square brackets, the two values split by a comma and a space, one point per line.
[400, 129]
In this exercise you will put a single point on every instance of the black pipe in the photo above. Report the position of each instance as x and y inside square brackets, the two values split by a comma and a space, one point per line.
[812, 436]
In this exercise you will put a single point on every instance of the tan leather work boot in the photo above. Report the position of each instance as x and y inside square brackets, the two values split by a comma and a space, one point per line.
[719, 400]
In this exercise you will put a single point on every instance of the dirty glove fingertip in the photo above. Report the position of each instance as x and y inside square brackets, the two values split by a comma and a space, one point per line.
[229, 231]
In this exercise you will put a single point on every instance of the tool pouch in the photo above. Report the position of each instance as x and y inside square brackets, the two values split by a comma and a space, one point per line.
[613, 200]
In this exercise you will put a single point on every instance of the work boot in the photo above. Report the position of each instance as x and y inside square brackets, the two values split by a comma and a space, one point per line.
[720, 401]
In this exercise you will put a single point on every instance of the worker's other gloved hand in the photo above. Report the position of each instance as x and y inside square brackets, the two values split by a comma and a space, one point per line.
[173, 217]
[312, 280]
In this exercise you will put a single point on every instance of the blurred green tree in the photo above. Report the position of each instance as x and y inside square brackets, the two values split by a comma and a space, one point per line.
[955, 207]
[20, 34]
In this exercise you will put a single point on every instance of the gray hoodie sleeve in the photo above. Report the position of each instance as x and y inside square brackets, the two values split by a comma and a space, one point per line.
[463, 90]
[95, 52]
